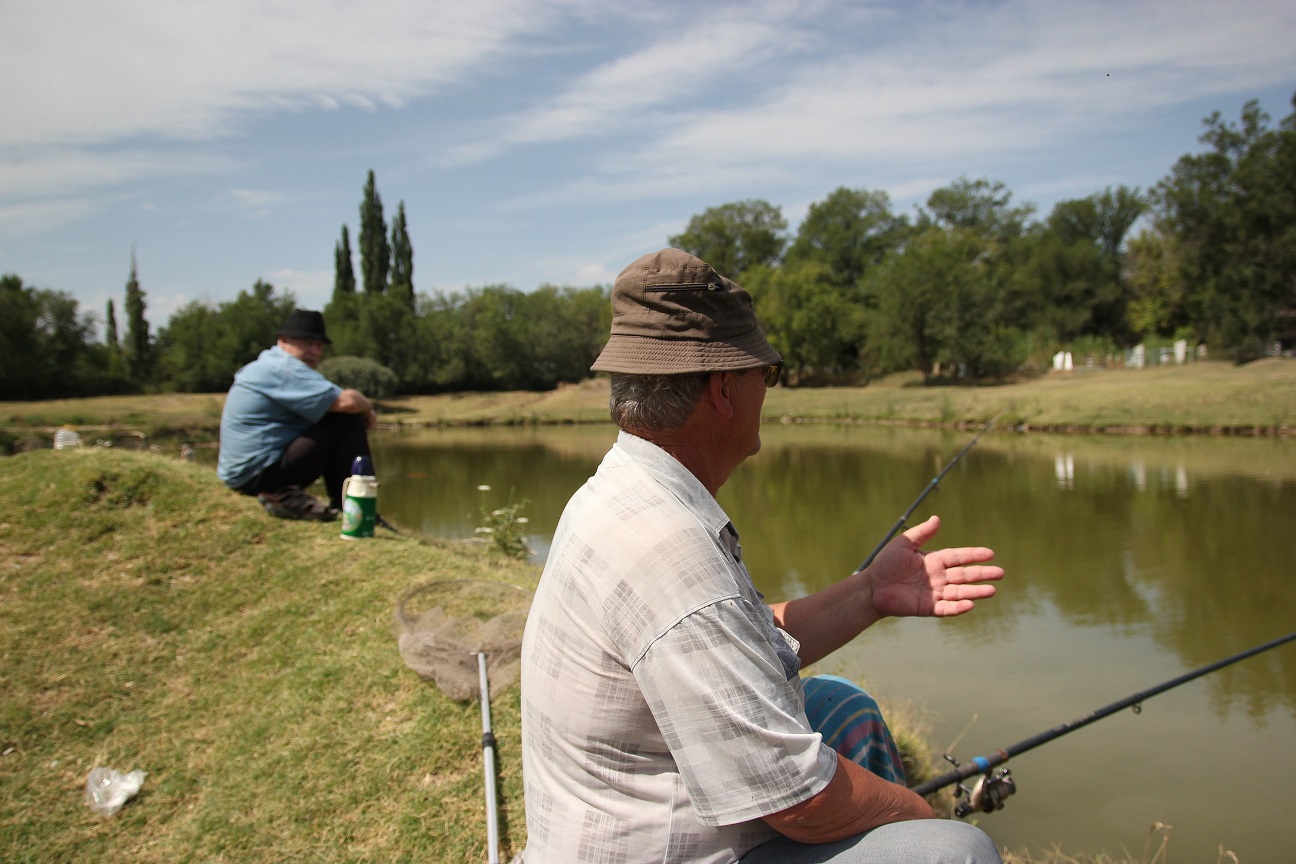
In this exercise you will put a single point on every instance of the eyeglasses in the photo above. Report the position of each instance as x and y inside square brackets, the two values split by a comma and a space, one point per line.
[772, 373]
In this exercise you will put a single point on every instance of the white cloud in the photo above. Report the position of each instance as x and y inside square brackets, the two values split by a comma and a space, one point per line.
[676, 65]
[254, 203]
[28, 172]
[594, 274]
[679, 67]
[986, 79]
[312, 288]
[95, 72]
[20, 220]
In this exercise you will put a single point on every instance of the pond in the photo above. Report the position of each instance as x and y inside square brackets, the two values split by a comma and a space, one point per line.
[1130, 561]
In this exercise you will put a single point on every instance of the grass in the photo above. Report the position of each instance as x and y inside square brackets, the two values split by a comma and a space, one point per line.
[152, 620]
[1209, 397]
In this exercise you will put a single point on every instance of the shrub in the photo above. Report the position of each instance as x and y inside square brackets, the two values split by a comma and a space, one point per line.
[360, 373]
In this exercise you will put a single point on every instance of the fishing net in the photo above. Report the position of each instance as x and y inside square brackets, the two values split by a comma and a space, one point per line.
[442, 626]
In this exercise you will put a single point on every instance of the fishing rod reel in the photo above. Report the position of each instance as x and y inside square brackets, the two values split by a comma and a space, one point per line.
[987, 794]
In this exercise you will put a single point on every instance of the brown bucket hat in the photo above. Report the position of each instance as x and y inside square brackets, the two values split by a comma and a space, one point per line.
[672, 313]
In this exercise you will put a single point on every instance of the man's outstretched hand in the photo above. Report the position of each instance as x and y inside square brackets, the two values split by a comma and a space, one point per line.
[906, 581]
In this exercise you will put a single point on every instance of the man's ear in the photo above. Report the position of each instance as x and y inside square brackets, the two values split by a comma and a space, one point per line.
[720, 392]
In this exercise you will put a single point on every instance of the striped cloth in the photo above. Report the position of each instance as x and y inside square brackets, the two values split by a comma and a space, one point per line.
[851, 724]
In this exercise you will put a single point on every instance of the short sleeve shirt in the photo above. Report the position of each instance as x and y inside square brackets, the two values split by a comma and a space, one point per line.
[274, 399]
[662, 709]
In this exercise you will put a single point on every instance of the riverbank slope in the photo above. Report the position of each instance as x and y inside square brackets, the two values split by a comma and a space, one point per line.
[152, 620]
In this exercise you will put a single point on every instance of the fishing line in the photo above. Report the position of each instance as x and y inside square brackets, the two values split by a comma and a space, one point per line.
[931, 486]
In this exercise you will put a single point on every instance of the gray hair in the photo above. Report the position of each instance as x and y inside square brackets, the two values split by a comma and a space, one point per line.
[651, 403]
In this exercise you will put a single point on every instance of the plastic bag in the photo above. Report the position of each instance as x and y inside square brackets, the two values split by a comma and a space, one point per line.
[107, 789]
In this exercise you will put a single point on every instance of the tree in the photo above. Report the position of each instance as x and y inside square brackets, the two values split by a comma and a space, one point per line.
[817, 326]
[1102, 219]
[1232, 213]
[137, 352]
[375, 253]
[387, 328]
[940, 302]
[343, 274]
[735, 237]
[50, 345]
[202, 347]
[979, 206]
[1071, 279]
[849, 231]
[112, 344]
[1156, 307]
[402, 255]
[439, 359]
[110, 327]
[19, 313]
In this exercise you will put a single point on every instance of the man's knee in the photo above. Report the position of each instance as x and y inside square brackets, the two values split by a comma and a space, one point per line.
[922, 841]
[941, 841]
[852, 724]
[343, 420]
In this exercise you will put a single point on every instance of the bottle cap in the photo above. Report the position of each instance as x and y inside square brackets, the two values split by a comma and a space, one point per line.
[362, 465]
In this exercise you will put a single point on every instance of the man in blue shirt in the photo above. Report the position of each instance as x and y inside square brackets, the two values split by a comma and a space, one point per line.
[285, 425]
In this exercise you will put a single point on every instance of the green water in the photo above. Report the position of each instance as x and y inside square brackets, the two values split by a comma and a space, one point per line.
[1130, 561]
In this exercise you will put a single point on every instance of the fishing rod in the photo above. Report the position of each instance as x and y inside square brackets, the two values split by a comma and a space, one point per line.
[488, 756]
[989, 792]
[931, 485]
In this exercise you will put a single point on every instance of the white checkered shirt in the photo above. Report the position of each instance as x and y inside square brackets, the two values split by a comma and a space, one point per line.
[662, 712]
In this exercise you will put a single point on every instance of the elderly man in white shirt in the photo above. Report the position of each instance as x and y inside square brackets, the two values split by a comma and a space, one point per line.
[663, 714]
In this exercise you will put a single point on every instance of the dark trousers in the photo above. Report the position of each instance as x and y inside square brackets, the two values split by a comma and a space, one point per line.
[324, 450]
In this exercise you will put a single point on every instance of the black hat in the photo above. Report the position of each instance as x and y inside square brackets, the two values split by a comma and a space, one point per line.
[305, 324]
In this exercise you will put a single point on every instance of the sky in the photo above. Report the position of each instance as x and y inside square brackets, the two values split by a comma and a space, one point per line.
[224, 141]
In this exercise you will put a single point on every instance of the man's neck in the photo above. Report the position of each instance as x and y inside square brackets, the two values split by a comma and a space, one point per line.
[698, 455]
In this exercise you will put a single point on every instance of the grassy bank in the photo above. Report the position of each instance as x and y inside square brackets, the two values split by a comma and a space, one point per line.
[1259, 398]
[154, 621]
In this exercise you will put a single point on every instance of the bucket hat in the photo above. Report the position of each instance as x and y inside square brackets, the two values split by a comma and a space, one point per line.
[304, 324]
[672, 314]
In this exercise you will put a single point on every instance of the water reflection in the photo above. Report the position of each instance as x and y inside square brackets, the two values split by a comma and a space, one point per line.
[1130, 562]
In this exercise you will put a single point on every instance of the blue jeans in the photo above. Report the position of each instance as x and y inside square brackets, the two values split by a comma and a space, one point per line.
[324, 450]
[924, 841]
[851, 724]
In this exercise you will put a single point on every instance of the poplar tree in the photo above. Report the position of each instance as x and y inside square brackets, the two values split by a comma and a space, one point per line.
[111, 339]
[375, 253]
[344, 274]
[402, 271]
[136, 351]
[116, 364]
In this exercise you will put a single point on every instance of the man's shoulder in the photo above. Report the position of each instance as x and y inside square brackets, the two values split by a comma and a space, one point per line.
[636, 556]
[626, 502]
[268, 363]
[275, 367]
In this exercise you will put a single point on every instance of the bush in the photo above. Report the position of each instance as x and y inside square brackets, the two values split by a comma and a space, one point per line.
[360, 373]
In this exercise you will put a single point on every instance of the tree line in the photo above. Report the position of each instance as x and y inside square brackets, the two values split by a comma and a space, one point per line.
[970, 283]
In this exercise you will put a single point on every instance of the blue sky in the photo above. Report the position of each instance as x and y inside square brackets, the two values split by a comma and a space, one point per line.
[554, 142]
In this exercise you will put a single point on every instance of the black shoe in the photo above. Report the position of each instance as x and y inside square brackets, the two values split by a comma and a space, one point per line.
[292, 502]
